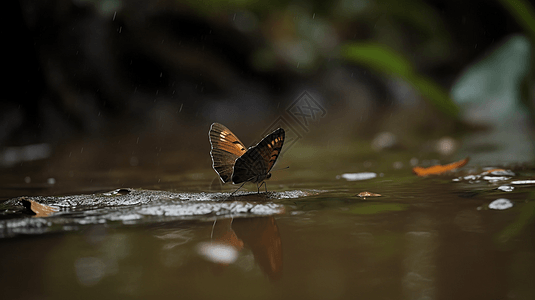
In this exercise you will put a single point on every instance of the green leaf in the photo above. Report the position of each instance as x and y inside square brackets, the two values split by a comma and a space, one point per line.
[379, 58]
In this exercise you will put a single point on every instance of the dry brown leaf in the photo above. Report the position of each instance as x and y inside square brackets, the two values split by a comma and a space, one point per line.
[40, 210]
[493, 170]
[439, 169]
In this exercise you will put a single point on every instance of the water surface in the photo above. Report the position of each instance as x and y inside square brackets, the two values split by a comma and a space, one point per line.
[424, 238]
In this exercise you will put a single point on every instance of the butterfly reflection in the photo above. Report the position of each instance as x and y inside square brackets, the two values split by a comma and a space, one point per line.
[234, 163]
[259, 235]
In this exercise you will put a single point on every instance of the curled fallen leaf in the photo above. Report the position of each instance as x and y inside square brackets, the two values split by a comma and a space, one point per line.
[495, 172]
[40, 210]
[439, 169]
[368, 194]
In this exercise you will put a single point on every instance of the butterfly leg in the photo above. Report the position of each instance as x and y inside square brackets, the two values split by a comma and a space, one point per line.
[238, 189]
[259, 186]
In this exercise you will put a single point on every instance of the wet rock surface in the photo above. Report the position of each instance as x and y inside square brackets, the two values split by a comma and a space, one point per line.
[132, 206]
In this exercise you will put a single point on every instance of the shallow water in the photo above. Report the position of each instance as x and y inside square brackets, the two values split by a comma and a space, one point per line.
[432, 238]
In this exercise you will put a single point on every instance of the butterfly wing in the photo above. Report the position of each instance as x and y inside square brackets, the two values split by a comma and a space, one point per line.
[226, 148]
[255, 164]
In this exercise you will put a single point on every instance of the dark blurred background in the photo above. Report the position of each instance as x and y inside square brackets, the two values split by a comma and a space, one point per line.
[123, 81]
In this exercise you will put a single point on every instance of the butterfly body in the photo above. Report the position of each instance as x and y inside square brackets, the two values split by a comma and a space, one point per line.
[234, 163]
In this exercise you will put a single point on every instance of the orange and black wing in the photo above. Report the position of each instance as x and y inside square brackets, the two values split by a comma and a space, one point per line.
[226, 148]
[259, 159]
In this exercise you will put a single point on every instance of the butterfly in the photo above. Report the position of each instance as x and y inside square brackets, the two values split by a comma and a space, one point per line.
[234, 163]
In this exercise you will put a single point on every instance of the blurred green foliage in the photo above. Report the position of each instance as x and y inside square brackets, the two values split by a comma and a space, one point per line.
[489, 90]
[199, 49]
[523, 12]
[505, 83]
[380, 58]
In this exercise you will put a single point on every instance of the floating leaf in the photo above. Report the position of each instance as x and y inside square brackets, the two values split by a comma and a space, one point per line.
[498, 172]
[439, 169]
[40, 210]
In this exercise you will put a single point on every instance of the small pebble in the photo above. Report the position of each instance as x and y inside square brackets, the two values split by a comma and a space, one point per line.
[506, 188]
[501, 204]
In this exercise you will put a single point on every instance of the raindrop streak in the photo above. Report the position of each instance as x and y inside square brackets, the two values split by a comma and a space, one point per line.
[181, 107]
[114, 15]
